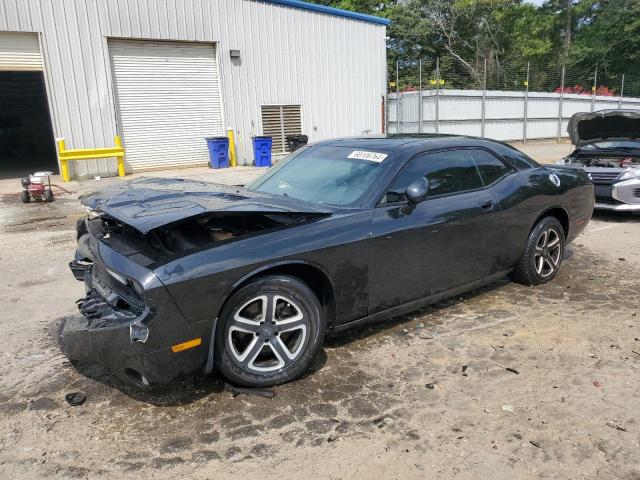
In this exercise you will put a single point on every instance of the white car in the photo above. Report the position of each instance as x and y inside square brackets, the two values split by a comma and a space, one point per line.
[608, 148]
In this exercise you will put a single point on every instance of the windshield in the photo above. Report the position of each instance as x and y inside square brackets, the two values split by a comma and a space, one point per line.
[613, 144]
[329, 175]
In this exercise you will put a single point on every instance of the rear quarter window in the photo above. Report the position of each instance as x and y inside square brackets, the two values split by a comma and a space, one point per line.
[518, 159]
[491, 168]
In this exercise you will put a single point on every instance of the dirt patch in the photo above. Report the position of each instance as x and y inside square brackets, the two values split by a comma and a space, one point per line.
[509, 376]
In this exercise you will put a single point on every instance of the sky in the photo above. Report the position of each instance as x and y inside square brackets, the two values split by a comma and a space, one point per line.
[535, 2]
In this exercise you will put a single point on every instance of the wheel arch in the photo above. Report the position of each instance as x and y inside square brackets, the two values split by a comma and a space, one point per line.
[318, 280]
[559, 213]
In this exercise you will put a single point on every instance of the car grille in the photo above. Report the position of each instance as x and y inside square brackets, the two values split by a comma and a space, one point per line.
[604, 177]
[636, 192]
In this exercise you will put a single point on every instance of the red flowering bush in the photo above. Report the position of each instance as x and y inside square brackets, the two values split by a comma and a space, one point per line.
[580, 90]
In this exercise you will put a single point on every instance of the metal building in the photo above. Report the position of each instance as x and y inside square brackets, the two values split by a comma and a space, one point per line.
[165, 74]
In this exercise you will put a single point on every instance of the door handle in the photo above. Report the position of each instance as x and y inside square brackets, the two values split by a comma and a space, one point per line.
[486, 205]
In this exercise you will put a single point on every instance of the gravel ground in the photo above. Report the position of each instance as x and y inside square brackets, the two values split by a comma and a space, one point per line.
[426, 395]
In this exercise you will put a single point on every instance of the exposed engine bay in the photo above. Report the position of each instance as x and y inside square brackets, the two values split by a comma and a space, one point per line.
[200, 231]
[611, 162]
[206, 230]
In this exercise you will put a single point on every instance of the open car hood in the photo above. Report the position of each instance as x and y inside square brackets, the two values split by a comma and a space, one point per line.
[585, 128]
[149, 203]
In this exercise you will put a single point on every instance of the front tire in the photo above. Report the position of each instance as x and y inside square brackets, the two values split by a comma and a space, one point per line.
[542, 256]
[25, 197]
[268, 332]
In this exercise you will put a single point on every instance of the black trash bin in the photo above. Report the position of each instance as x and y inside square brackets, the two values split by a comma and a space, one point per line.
[294, 142]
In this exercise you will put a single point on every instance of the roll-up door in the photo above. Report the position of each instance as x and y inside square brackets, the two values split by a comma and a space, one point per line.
[20, 52]
[168, 97]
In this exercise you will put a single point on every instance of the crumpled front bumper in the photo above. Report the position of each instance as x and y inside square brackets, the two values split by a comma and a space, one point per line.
[133, 341]
[110, 345]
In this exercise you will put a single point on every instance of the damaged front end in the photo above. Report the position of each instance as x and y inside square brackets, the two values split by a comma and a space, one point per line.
[129, 321]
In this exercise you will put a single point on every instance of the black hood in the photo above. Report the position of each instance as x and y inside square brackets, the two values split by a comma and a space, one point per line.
[148, 203]
[605, 125]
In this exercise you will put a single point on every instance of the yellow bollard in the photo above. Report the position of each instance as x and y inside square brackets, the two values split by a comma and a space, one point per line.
[233, 162]
[64, 165]
[64, 170]
[65, 155]
[120, 158]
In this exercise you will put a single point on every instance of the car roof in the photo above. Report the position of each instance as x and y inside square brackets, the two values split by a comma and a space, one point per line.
[399, 142]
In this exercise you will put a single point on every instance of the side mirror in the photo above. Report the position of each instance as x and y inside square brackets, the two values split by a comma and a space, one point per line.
[417, 191]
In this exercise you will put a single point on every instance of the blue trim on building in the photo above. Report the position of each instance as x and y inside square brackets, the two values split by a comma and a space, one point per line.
[331, 11]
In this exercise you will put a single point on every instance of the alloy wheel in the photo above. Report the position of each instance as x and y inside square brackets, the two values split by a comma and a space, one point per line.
[548, 252]
[267, 333]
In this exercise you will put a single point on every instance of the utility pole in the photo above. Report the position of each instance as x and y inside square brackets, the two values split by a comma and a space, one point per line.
[437, 126]
[593, 90]
[621, 92]
[526, 106]
[483, 112]
[560, 104]
[398, 128]
[420, 98]
[567, 28]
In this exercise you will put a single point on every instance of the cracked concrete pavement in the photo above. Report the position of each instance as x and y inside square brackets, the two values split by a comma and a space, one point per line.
[425, 395]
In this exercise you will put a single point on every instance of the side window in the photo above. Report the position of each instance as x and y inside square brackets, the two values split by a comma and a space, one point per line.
[517, 158]
[489, 166]
[448, 172]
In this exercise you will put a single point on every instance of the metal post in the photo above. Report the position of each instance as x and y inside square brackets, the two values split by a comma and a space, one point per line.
[385, 99]
[483, 108]
[560, 104]
[420, 98]
[526, 106]
[398, 128]
[621, 93]
[437, 105]
[593, 90]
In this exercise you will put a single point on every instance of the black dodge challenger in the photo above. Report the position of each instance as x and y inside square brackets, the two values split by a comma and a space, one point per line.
[182, 275]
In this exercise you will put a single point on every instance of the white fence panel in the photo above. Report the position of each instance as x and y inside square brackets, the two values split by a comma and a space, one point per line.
[460, 112]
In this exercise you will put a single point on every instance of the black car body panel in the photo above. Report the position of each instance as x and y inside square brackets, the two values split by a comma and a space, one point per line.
[372, 260]
[608, 149]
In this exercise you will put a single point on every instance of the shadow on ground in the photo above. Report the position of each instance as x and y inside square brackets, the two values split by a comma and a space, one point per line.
[183, 390]
[616, 217]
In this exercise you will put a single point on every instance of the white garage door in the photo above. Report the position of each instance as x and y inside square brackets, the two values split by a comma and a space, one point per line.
[20, 52]
[168, 96]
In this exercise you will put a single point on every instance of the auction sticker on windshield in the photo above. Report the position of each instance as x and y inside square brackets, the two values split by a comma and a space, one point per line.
[371, 156]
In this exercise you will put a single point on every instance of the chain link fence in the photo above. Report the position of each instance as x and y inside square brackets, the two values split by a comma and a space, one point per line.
[501, 101]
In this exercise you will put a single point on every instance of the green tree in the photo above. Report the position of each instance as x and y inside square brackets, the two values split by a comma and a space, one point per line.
[507, 34]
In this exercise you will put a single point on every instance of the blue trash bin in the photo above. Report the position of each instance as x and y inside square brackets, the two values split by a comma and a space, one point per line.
[218, 152]
[262, 151]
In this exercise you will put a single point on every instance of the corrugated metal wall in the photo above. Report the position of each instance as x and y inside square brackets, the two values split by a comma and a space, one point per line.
[460, 112]
[333, 66]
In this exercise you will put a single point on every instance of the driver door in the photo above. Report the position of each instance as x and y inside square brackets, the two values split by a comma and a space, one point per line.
[446, 241]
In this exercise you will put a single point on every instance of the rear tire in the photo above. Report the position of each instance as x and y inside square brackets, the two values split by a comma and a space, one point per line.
[542, 256]
[48, 195]
[25, 197]
[268, 332]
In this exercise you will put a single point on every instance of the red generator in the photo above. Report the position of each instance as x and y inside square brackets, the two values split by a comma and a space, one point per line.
[38, 187]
